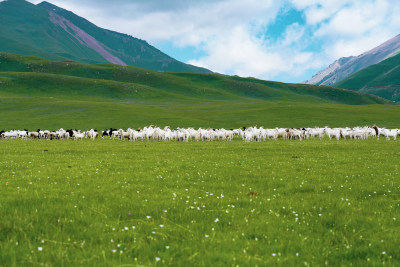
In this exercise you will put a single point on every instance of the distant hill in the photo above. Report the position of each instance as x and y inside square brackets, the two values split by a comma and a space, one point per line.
[345, 67]
[34, 75]
[382, 79]
[54, 33]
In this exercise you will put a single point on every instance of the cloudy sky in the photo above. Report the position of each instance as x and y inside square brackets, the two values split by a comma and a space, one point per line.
[284, 40]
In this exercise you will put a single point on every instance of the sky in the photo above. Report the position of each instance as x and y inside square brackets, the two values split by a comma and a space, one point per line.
[281, 40]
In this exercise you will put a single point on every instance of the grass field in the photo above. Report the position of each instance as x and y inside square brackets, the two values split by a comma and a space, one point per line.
[39, 93]
[116, 203]
[20, 112]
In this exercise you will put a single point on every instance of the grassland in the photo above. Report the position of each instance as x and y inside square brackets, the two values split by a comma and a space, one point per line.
[109, 203]
[20, 112]
[38, 93]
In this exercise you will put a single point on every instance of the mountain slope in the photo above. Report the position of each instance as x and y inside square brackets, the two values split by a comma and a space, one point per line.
[26, 29]
[39, 76]
[48, 31]
[330, 70]
[382, 79]
[345, 67]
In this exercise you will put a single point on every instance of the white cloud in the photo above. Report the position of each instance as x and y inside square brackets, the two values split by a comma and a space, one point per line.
[318, 11]
[293, 34]
[239, 53]
[356, 20]
[359, 27]
[242, 54]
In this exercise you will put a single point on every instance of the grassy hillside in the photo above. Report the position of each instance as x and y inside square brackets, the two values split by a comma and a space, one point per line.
[36, 74]
[35, 92]
[27, 29]
[382, 79]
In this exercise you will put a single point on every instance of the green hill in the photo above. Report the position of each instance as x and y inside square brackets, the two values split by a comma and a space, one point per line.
[35, 92]
[54, 33]
[382, 79]
[38, 75]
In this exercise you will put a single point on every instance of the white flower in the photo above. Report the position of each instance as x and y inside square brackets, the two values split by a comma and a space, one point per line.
[158, 259]
[40, 248]
[273, 254]
[114, 250]
[216, 220]
[161, 225]
[148, 217]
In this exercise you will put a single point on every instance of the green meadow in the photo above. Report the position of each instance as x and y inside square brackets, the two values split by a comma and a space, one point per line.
[20, 112]
[122, 203]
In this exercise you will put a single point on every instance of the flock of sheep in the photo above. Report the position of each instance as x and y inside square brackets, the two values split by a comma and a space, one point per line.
[186, 134]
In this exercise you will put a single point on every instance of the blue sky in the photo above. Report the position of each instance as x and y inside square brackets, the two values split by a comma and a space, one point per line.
[288, 40]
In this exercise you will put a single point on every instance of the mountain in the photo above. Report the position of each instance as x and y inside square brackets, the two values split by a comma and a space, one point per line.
[317, 78]
[54, 33]
[345, 67]
[382, 79]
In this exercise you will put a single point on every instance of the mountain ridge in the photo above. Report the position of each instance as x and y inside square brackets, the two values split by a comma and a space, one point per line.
[345, 67]
[54, 33]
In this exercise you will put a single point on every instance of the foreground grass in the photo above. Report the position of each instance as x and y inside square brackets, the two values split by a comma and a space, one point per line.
[109, 203]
